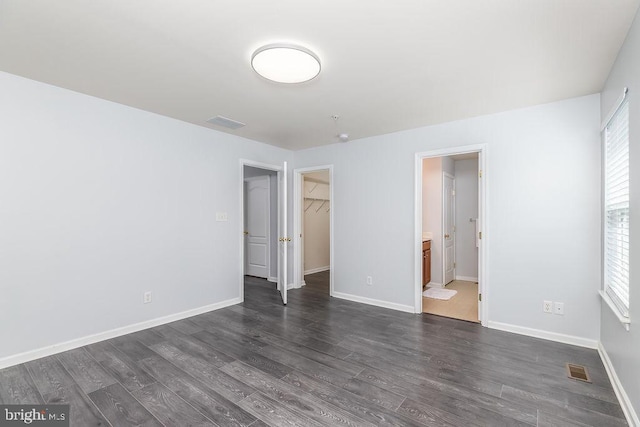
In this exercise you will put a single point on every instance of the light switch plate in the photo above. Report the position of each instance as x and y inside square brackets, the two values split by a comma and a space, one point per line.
[221, 216]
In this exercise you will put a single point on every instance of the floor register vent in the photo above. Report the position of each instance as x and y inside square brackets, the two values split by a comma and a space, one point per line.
[578, 372]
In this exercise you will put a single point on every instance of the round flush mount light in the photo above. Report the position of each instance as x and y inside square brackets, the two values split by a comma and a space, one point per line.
[285, 63]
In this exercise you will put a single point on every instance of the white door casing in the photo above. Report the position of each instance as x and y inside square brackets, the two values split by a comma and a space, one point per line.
[257, 226]
[448, 228]
[283, 239]
[483, 190]
[479, 242]
[241, 224]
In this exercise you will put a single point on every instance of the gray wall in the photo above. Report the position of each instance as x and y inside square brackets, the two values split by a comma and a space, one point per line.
[623, 347]
[533, 198]
[466, 207]
[100, 203]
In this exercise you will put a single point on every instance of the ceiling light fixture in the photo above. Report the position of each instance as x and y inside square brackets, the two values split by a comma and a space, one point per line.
[285, 63]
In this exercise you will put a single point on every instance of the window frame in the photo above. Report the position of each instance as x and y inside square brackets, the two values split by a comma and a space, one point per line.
[614, 300]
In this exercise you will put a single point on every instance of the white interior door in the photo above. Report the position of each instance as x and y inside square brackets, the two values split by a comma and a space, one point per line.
[448, 227]
[283, 239]
[257, 226]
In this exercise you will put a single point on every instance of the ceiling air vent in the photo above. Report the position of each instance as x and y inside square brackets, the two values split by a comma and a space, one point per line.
[225, 122]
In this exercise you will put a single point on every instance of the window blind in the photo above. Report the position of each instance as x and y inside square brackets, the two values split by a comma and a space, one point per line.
[616, 206]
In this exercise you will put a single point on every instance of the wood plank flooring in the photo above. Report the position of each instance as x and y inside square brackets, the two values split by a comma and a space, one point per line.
[319, 361]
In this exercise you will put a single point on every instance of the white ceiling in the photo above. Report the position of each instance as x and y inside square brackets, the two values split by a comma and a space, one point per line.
[386, 65]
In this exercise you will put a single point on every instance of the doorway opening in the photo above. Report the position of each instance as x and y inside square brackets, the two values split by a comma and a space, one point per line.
[313, 228]
[450, 214]
[263, 246]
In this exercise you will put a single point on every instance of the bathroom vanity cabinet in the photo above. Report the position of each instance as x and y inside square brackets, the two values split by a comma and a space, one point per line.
[426, 263]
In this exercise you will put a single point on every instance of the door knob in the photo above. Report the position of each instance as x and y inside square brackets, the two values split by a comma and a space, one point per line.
[246, 233]
[446, 236]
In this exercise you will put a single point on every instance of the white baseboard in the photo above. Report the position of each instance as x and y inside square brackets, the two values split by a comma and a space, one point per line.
[467, 278]
[629, 413]
[272, 279]
[538, 333]
[434, 285]
[293, 285]
[377, 303]
[27, 356]
[317, 270]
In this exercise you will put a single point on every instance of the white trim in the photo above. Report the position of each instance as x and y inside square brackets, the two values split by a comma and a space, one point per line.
[376, 302]
[27, 356]
[612, 305]
[272, 279]
[627, 408]
[483, 212]
[546, 335]
[298, 272]
[252, 163]
[293, 286]
[317, 270]
[467, 278]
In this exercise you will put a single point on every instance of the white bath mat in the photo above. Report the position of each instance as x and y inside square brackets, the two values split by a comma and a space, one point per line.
[439, 293]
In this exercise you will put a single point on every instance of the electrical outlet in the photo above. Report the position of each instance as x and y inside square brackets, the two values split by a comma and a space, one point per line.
[558, 308]
[547, 306]
[369, 280]
[146, 299]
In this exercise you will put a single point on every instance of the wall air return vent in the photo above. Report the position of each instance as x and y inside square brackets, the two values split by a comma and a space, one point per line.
[225, 122]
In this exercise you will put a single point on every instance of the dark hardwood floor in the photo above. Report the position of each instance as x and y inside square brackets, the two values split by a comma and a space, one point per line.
[318, 361]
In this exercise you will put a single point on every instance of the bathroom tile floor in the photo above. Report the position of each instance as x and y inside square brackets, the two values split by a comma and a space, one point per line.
[463, 305]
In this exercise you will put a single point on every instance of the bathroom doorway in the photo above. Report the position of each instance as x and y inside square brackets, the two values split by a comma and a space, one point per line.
[449, 216]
